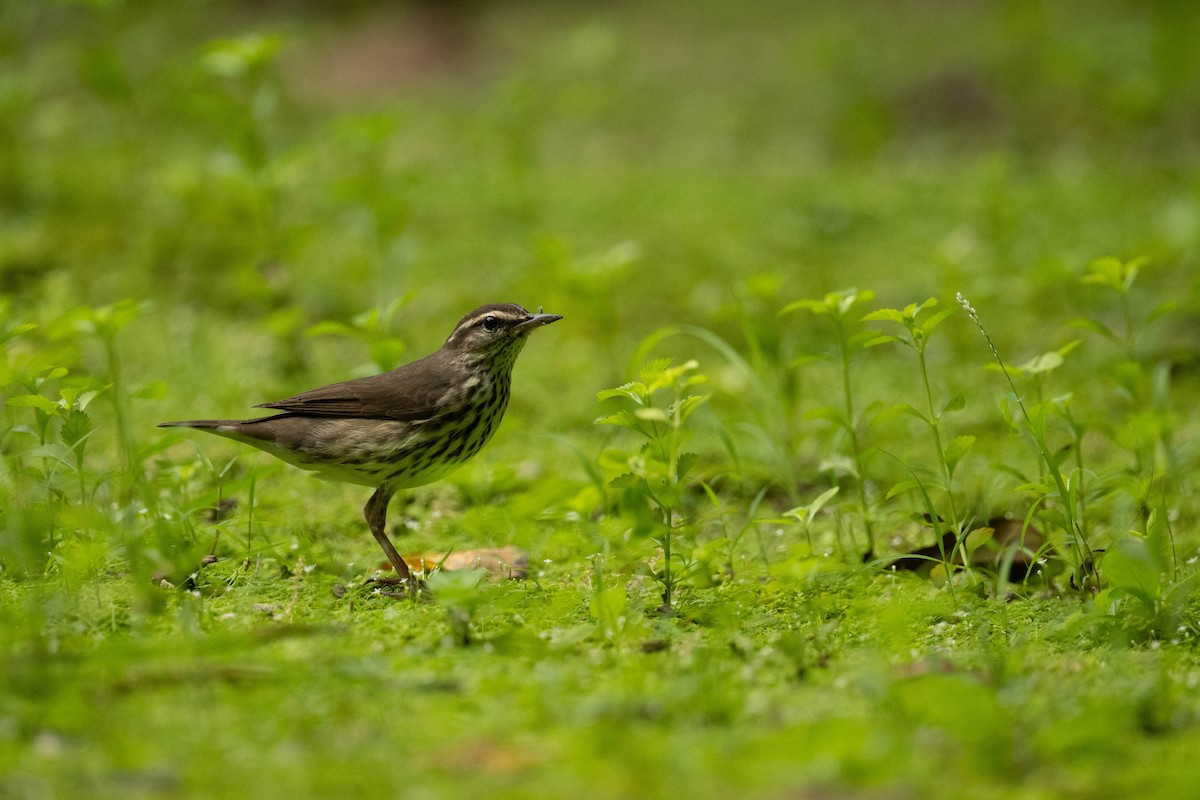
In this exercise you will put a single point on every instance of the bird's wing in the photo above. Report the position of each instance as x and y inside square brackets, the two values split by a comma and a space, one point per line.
[402, 394]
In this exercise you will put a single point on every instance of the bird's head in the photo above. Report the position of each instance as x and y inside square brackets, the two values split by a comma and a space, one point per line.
[496, 330]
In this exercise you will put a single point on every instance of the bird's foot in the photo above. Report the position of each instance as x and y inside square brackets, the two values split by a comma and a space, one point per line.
[410, 588]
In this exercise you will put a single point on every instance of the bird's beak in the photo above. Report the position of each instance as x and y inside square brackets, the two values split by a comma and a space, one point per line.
[537, 320]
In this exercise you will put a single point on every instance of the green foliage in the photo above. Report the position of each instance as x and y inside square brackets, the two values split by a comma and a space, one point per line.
[949, 455]
[850, 343]
[373, 328]
[651, 482]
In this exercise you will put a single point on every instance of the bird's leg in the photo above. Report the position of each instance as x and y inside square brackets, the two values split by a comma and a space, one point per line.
[376, 514]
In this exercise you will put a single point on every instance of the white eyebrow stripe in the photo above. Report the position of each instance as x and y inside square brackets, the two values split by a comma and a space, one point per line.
[501, 315]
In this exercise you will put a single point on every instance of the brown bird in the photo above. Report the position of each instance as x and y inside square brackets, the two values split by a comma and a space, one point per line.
[403, 428]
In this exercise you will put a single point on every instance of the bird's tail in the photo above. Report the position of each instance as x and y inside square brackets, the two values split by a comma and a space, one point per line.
[203, 424]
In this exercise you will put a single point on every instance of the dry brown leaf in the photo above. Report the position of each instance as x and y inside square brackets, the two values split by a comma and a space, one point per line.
[500, 562]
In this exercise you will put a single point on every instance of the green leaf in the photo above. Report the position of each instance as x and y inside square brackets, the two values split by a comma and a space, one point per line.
[1095, 326]
[885, 314]
[625, 419]
[957, 449]
[651, 414]
[830, 414]
[632, 390]
[1168, 307]
[684, 464]
[75, 428]
[936, 319]
[901, 409]
[903, 487]
[1038, 365]
[237, 58]
[78, 397]
[814, 306]
[859, 340]
[885, 339]
[823, 498]
[683, 407]
[956, 403]
[55, 452]
[33, 401]
[16, 330]
[655, 368]
[1130, 565]
[333, 328]
[807, 513]
[629, 481]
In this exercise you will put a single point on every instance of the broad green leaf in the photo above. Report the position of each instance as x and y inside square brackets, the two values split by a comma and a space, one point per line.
[684, 464]
[1038, 365]
[885, 314]
[1130, 565]
[33, 401]
[682, 408]
[75, 428]
[628, 481]
[977, 538]
[651, 414]
[936, 319]
[16, 330]
[78, 397]
[655, 368]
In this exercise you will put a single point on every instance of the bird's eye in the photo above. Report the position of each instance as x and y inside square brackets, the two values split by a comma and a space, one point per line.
[490, 323]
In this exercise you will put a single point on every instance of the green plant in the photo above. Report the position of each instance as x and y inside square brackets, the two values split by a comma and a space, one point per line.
[1065, 490]
[1146, 429]
[850, 342]
[652, 479]
[949, 454]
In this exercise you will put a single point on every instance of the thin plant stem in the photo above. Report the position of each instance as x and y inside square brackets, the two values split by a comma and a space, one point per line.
[1077, 533]
[844, 352]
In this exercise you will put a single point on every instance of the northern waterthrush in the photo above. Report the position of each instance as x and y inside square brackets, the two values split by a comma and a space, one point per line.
[403, 428]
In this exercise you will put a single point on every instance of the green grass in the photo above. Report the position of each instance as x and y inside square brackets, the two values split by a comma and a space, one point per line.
[207, 206]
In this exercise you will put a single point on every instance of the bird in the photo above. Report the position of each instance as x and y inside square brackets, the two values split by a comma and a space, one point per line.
[399, 429]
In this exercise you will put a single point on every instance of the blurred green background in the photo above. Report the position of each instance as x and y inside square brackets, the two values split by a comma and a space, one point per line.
[251, 169]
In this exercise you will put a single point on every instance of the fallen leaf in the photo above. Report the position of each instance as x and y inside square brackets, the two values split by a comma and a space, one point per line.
[500, 562]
